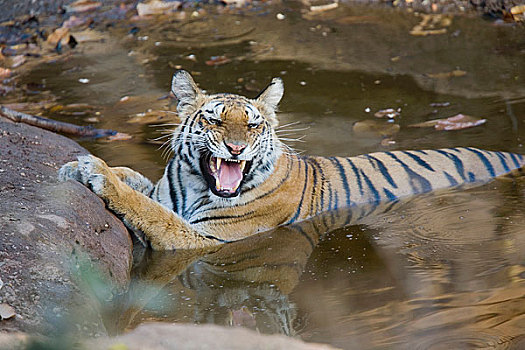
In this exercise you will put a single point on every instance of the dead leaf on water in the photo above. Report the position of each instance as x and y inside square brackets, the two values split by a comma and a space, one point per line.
[34, 108]
[387, 142]
[236, 3]
[376, 127]
[323, 8]
[152, 117]
[88, 35]
[5, 73]
[92, 120]
[16, 61]
[83, 6]
[74, 21]
[431, 24]
[6, 311]
[439, 104]
[119, 136]
[157, 7]
[218, 61]
[54, 38]
[518, 13]
[389, 113]
[453, 74]
[457, 122]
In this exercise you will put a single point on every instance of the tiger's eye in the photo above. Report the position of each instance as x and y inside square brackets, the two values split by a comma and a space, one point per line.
[215, 121]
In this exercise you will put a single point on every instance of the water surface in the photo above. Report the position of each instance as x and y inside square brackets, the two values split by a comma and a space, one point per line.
[444, 271]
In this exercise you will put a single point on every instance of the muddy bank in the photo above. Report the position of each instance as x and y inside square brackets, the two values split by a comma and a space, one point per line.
[58, 242]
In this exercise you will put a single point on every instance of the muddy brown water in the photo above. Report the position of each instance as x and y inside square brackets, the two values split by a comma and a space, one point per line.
[445, 271]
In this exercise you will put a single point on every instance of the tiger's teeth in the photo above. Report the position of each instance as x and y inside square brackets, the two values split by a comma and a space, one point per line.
[219, 161]
[243, 164]
[217, 184]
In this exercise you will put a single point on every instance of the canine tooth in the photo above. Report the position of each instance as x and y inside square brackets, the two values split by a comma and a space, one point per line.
[219, 161]
[243, 164]
[218, 184]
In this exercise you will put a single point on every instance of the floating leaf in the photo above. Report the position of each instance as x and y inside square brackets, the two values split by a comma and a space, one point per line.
[156, 7]
[389, 113]
[17, 61]
[237, 3]
[119, 136]
[83, 6]
[322, 8]
[452, 74]
[387, 142]
[152, 117]
[518, 13]
[218, 60]
[440, 104]
[457, 122]
[5, 73]
[74, 21]
[430, 24]
[54, 38]
[377, 127]
[6, 311]
[88, 35]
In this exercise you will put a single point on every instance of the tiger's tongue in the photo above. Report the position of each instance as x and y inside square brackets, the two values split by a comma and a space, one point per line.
[230, 175]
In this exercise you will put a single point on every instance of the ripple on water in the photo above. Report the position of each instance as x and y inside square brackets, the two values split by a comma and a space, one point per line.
[478, 219]
[466, 340]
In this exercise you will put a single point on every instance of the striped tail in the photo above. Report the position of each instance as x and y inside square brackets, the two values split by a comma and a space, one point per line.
[388, 176]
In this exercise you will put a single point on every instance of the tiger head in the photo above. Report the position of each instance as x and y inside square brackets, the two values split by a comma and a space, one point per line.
[229, 139]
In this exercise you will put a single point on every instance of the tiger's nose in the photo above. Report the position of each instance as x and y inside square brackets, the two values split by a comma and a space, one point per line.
[235, 148]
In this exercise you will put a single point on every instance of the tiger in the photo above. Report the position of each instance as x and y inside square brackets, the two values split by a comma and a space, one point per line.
[231, 177]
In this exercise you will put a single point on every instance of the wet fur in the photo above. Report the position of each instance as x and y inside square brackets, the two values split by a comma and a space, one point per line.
[280, 189]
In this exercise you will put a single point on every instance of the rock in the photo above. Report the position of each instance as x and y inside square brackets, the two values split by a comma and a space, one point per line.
[58, 241]
[165, 336]
[162, 336]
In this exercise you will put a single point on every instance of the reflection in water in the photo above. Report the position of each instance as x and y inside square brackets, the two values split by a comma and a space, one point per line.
[443, 271]
[439, 271]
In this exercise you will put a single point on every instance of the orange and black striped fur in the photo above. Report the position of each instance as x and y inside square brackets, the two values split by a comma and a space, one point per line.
[230, 176]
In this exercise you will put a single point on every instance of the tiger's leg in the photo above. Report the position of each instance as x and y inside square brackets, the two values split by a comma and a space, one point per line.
[130, 177]
[164, 229]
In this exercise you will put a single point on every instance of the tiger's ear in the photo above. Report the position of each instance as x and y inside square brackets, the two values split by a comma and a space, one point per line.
[273, 93]
[186, 91]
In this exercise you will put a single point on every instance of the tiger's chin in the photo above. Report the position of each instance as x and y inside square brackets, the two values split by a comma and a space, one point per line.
[224, 176]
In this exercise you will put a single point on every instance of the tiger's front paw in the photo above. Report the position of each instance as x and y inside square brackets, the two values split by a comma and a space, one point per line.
[91, 171]
[69, 171]
[83, 169]
[95, 174]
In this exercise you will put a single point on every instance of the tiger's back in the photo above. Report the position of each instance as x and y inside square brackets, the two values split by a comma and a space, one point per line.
[304, 187]
[231, 176]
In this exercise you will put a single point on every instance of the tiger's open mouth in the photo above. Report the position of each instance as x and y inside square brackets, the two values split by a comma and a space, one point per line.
[224, 176]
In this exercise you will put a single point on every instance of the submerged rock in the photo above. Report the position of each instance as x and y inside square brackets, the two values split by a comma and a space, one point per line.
[59, 246]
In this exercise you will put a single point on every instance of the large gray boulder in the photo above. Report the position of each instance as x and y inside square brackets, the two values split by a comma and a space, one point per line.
[59, 246]
[63, 255]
